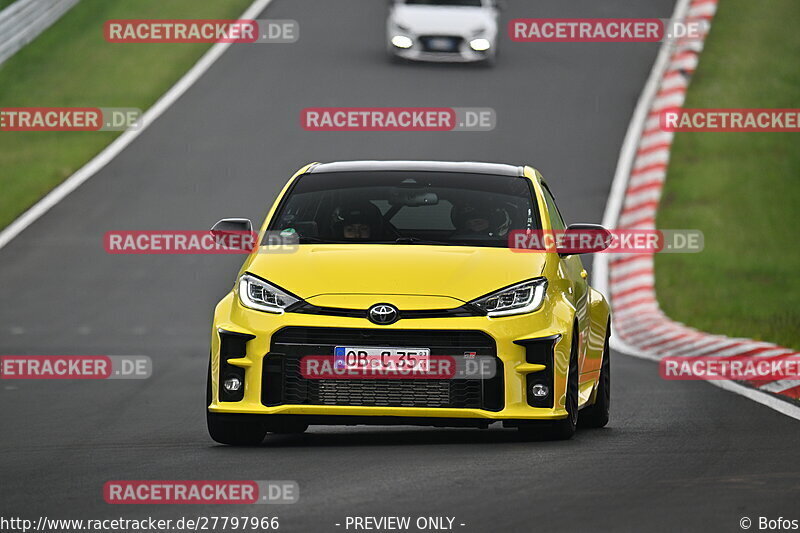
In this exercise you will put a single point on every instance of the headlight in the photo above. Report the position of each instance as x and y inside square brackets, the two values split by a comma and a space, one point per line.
[480, 45]
[401, 41]
[524, 297]
[256, 293]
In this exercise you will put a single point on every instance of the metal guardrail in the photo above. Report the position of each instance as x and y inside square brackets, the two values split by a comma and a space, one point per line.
[24, 20]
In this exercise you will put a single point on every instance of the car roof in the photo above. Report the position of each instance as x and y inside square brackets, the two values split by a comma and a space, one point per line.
[467, 167]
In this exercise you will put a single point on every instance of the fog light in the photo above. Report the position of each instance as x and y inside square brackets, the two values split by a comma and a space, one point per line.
[232, 384]
[401, 41]
[480, 45]
[539, 391]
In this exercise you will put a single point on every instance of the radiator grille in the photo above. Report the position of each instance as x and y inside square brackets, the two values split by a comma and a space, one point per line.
[284, 384]
[441, 43]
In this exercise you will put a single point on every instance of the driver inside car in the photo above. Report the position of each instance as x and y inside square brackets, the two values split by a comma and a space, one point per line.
[357, 222]
[471, 220]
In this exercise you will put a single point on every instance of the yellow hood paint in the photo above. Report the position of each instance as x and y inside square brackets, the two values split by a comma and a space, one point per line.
[456, 272]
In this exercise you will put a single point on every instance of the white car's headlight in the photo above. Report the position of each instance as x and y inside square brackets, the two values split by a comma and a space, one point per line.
[480, 45]
[256, 293]
[524, 297]
[402, 41]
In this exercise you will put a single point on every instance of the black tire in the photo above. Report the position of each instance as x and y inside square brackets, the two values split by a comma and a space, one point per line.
[562, 429]
[234, 430]
[596, 415]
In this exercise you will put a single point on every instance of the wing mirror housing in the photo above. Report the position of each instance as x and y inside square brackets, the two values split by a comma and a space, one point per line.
[585, 239]
[228, 230]
[227, 226]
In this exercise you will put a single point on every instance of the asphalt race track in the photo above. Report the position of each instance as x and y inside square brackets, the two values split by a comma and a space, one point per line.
[676, 455]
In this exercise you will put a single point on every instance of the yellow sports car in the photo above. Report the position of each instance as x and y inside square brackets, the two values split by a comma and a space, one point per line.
[396, 298]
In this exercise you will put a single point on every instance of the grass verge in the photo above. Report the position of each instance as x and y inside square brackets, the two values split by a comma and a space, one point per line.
[71, 64]
[741, 189]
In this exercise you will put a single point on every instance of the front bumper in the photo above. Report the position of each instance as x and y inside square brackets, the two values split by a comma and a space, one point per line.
[462, 53]
[257, 332]
[434, 57]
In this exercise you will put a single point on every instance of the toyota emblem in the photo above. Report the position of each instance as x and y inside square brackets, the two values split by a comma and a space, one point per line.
[383, 314]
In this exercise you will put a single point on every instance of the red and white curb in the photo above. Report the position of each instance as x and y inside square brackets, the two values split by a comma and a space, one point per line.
[640, 327]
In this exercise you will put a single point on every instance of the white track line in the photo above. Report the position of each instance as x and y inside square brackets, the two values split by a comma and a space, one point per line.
[640, 122]
[120, 143]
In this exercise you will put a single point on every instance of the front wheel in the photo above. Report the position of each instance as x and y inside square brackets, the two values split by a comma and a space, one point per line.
[236, 430]
[596, 415]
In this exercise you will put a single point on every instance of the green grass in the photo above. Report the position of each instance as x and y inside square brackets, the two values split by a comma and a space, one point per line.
[71, 64]
[741, 189]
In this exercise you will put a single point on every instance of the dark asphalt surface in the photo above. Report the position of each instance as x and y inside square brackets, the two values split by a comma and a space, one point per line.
[676, 456]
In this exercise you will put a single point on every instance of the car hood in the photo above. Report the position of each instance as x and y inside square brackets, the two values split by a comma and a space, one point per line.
[459, 272]
[436, 20]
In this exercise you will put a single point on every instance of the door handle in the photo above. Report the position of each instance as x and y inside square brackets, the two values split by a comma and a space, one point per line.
[584, 274]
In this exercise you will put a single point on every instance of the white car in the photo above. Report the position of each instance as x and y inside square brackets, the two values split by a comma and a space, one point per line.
[443, 30]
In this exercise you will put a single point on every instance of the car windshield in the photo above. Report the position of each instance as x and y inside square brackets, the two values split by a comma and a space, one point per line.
[437, 208]
[464, 3]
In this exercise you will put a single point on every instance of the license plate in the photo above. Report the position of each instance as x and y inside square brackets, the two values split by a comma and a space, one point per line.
[365, 358]
[444, 45]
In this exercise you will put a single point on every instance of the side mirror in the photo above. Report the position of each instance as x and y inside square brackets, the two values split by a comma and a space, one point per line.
[228, 226]
[500, 5]
[585, 239]
[234, 233]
